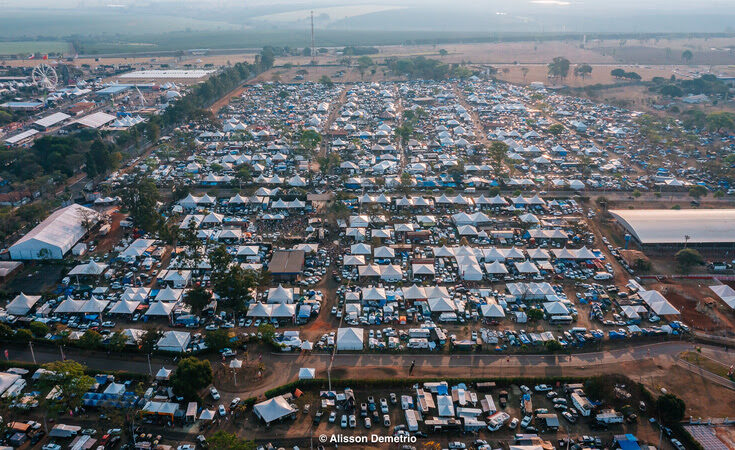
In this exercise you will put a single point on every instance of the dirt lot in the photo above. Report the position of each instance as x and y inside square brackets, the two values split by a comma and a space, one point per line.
[688, 298]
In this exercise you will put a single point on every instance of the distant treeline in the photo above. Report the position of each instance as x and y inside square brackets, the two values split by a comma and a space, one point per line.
[426, 68]
[359, 51]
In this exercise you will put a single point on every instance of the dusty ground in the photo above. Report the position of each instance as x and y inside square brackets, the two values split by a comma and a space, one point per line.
[688, 297]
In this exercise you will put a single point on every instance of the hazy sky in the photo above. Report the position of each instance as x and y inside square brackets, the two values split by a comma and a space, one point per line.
[407, 15]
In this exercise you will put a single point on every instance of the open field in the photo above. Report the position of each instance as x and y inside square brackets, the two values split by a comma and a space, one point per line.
[16, 47]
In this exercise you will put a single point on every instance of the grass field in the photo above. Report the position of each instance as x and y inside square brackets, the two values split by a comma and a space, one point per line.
[705, 363]
[16, 47]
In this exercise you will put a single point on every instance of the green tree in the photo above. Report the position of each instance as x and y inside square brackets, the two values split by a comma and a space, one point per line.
[39, 329]
[687, 258]
[687, 56]
[309, 140]
[671, 90]
[720, 122]
[671, 408]
[221, 440]
[70, 377]
[140, 199]
[149, 340]
[583, 70]
[497, 152]
[535, 314]
[556, 129]
[443, 52]
[618, 73]
[697, 191]
[23, 335]
[198, 298]
[217, 339]
[326, 81]
[117, 342]
[191, 375]
[559, 67]
[553, 346]
[90, 339]
[267, 331]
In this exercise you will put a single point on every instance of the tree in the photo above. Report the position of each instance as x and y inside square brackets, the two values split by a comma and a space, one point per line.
[267, 331]
[229, 441]
[583, 70]
[697, 191]
[363, 63]
[140, 199]
[617, 73]
[688, 258]
[72, 381]
[443, 52]
[149, 340]
[217, 339]
[326, 81]
[535, 314]
[117, 342]
[23, 335]
[672, 90]
[720, 122]
[556, 129]
[90, 340]
[671, 408]
[403, 133]
[39, 329]
[190, 376]
[198, 298]
[524, 71]
[559, 67]
[687, 56]
[406, 181]
[553, 346]
[309, 140]
[497, 152]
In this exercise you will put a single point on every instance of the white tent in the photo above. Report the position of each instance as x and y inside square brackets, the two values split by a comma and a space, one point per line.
[414, 293]
[91, 268]
[556, 309]
[495, 268]
[444, 406]
[350, 339]
[526, 267]
[124, 307]
[273, 409]
[22, 304]
[174, 341]
[206, 414]
[162, 309]
[307, 373]
[658, 303]
[492, 310]
[280, 295]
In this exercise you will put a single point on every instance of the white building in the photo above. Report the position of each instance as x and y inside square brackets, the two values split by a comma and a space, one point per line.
[55, 236]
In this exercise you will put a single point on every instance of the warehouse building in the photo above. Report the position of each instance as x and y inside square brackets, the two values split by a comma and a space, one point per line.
[663, 229]
[55, 236]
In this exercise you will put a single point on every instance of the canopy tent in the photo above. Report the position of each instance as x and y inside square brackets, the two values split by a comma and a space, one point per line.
[92, 268]
[658, 303]
[307, 373]
[350, 339]
[492, 310]
[22, 304]
[124, 307]
[280, 295]
[273, 409]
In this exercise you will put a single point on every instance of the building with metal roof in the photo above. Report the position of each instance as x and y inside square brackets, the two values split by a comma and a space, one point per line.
[707, 228]
[55, 236]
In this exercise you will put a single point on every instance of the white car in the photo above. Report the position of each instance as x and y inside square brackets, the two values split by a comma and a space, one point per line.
[513, 423]
[213, 392]
[526, 421]
[222, 411]
[542, 388]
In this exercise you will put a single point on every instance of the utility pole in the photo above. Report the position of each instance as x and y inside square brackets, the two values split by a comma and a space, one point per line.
[313, 50]
[150, 370]
[33, 355]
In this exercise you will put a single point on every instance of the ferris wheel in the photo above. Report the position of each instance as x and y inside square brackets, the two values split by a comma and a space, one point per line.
[45, 77]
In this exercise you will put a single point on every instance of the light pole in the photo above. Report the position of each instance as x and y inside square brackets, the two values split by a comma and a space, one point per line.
[33, 355]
